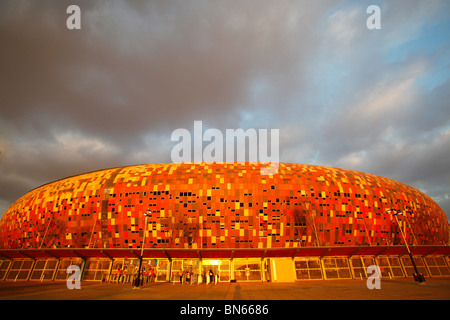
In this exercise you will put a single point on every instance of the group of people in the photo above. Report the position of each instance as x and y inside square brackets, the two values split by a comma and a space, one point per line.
[125, 275]
[189, 277]
[184, 276]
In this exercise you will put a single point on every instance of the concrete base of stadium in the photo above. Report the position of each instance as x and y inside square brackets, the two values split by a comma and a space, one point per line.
[396, 289]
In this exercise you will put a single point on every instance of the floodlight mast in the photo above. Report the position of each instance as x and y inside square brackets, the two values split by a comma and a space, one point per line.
[137, 282]
[417, 276]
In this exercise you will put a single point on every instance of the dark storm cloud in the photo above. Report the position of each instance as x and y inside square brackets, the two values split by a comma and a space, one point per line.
[155, 66]
[111, 93]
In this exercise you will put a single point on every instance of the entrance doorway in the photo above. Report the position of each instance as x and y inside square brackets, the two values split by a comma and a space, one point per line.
[221, 268]
[185, 270]
[247, 269]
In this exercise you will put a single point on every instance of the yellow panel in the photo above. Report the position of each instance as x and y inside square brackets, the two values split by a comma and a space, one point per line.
[282, 270]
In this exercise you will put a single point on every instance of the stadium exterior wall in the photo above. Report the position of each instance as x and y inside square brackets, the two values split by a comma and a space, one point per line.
[215, 207]
[221, 206]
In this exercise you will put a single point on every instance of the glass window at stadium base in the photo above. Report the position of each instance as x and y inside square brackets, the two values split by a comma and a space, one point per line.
[221, 222]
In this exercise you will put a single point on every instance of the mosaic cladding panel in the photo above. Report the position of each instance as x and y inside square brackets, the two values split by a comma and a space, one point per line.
[220, 206]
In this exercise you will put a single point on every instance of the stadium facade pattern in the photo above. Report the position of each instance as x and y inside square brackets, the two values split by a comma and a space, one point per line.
[221, 205]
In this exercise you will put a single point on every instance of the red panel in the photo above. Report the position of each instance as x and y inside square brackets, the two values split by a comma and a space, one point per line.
[61, 253]
[216, 254]
[255, 253]
[442, 250]
[90, 253]
[154, 254]
[280, 253]
[424, 250]
[340, 251]
[182, 254]
[36, 254]
[122, 253]
[397, 250]
[311, 252]
[11, 254]
[369, 251]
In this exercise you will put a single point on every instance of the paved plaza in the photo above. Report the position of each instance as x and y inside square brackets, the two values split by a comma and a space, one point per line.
[399, 289]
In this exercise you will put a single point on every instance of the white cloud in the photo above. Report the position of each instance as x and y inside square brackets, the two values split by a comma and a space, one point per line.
[75, 144]
[344, 27]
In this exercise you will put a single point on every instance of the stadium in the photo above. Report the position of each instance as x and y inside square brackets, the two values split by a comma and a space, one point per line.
[305, 222]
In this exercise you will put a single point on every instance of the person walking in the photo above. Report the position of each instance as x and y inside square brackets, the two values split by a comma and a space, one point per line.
[211, 276]
[152, 275]
[188, 277]
[180, 275]
[119, 274]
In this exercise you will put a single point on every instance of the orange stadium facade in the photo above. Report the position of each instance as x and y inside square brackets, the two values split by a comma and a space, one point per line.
[316, 222]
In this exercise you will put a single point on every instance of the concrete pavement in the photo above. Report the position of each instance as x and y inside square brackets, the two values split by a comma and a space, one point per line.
[400, 289]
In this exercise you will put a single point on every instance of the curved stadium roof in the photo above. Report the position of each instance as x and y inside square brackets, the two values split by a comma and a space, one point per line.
[218, 206]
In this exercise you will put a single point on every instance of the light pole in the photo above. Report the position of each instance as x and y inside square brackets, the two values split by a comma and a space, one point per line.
[137, 282]
[417, 276]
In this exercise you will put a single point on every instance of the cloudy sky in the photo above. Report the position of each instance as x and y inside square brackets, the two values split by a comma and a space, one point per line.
[111, 93]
